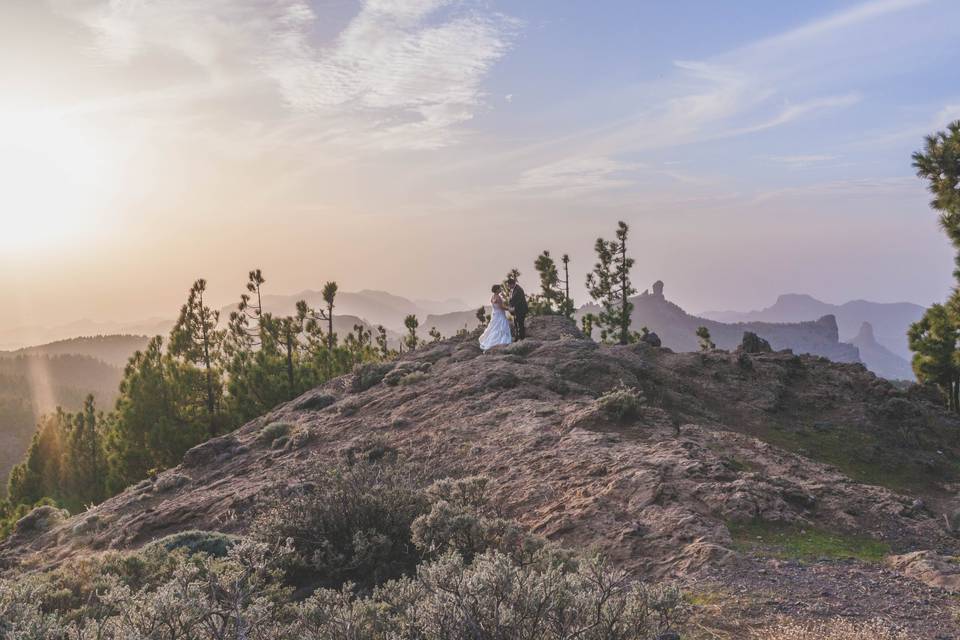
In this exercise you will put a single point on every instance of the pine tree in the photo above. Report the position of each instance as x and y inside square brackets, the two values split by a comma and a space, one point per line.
[482, 317]
[411, 341]
[609, 285]
[83, 469]
[933, 340]
[550, 299]
[939, 165]
[434, 335]
[39, 474]
[329, 295]
[382, 345]
[155, 421]
[197, 340]
[706, 344]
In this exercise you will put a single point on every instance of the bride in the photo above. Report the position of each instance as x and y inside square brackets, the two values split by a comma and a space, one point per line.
[498, 331]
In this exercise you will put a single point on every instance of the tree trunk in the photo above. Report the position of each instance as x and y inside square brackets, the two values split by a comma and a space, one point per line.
[290, 366]
[624, 317]
[330, 326]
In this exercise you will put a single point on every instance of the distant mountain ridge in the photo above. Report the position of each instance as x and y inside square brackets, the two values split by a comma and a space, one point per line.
[114, 350]
[677, 329]
[889, 321]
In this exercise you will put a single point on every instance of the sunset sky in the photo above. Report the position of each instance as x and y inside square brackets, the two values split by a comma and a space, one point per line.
[424, 147]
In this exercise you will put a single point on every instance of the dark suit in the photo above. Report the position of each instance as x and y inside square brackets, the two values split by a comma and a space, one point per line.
[518, 304]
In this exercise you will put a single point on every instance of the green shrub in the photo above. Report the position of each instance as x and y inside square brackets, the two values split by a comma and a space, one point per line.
[413, 378]
[347, 523]
[274, 430]
[461, 520]
[369, 375]
[622, 403]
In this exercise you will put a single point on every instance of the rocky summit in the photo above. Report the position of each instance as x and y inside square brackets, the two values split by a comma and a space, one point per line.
[770, 484]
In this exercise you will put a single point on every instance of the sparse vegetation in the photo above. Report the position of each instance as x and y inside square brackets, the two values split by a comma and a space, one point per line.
[452, 570]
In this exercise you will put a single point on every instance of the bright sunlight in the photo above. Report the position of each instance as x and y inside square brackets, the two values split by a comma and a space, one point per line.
[55, 179]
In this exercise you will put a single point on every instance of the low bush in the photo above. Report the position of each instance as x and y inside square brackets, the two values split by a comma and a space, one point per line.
[212, 543]
[434, 564]
[621, 403]
[346, 524]
[370, 375]
[270, 433]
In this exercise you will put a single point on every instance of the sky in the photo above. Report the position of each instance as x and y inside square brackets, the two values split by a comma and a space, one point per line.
[425, 147]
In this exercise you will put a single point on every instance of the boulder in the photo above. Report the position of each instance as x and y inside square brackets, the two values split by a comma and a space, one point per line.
[752, 343]
[652, 339]
[929, 568]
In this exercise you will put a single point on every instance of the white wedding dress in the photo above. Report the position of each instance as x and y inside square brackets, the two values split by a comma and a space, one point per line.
[498, 331]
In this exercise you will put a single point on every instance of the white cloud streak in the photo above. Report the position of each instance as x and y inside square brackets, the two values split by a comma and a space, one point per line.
[401, 74]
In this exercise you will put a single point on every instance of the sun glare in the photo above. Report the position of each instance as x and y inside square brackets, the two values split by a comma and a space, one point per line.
[53, 178]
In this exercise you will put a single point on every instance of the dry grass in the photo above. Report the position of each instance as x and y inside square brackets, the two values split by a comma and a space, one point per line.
[837, 629]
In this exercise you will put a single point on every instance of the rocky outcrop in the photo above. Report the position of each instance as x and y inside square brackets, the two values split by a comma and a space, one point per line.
[752, 343]
[930, 568]
[878, 358]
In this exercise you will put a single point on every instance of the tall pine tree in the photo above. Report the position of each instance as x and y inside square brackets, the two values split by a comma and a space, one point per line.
[198, 341]
[609, 285]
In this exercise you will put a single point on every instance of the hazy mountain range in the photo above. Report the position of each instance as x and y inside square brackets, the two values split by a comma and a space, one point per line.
[374, 307]
[890, 321]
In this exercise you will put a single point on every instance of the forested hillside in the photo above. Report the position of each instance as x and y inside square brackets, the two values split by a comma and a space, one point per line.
[31, 385]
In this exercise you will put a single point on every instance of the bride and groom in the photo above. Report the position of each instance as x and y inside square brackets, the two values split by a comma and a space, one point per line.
[498, 331]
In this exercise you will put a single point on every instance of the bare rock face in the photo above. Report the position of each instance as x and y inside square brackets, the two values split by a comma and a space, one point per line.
[929, 568]
[719, 438]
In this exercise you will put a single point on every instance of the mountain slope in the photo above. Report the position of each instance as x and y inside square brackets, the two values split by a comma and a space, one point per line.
[723, 438]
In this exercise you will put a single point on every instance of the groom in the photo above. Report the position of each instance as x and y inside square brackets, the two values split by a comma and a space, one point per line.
[518, 307]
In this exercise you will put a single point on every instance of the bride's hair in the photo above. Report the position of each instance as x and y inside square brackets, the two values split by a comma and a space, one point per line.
[496, 288]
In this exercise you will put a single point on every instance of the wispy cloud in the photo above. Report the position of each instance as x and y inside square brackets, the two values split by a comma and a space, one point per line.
[851, 188]
[803, 160]
[845, 19]
[576, 176]
[401, 73]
